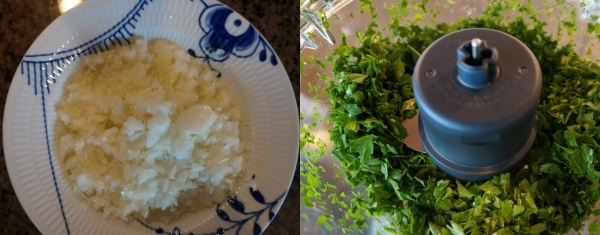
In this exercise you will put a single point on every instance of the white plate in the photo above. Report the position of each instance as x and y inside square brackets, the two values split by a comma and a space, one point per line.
[250, 66]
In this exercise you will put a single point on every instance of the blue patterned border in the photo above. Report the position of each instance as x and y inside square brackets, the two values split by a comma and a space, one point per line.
[219, 43]
[38, 66]
[43, 70]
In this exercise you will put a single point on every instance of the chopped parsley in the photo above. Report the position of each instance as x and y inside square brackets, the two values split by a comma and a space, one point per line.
[371, 93]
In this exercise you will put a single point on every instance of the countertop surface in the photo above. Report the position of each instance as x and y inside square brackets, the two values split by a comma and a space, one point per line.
[21, 21]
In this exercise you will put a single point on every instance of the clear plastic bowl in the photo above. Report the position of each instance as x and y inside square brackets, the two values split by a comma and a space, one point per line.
[349, 19]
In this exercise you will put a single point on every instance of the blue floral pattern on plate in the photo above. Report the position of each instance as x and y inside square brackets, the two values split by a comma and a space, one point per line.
[239, 208]
[227, 34]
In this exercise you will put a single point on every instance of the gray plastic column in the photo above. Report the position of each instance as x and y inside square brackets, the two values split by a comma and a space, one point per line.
[477, 92]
